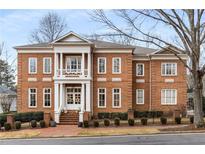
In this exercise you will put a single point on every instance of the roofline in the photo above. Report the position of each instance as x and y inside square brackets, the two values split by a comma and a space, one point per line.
[20, 47]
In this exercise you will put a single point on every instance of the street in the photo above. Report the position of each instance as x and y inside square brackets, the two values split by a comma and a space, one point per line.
[159, 139]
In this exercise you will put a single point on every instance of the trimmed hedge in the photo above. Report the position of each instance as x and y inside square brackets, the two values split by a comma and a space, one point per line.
[148, 114]
[28, 116]
[113, 115]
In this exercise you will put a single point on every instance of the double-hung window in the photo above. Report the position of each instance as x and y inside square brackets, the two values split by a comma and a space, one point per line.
[168, 96]
[47, 97]
[101, 97]
[32, 97]
[139, 69]
[47, 65]
[101, 65]
[140, 96]
[116, 65]
[116, 97]
[32, 65]
[169, 69]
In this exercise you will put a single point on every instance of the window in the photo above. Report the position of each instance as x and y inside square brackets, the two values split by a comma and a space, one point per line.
[116, 65]
[169, 69]
[140, 96]
[101, 97]
[47, 65]
[73, 64]
[168, 96]
[47, 97]
[101, 65]
[32, 65]
[32, 97]
[139, 69]
[116, 98]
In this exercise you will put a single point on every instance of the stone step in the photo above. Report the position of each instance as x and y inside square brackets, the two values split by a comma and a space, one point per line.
[68, 123]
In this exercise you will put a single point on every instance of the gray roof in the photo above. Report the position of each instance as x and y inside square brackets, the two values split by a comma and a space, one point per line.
[143, 51]
[37, 45]
[5, 90]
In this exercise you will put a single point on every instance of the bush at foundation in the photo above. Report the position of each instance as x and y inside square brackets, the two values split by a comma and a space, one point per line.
[117, 121]
[85, 124]
[144, 121]
[18, 124]
[96, 123]
[106, 122]
[131, 122]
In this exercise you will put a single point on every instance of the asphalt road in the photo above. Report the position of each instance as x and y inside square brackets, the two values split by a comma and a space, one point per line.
[162, 139]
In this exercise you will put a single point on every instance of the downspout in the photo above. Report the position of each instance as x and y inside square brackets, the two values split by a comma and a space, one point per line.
[150, 83]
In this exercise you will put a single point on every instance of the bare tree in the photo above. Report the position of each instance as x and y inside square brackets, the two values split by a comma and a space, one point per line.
[188, 26]
[6, 102]
[51, 27]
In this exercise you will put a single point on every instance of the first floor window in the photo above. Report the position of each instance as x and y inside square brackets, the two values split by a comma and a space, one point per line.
[47, 97]
[101, 97]
[140, 96]
[116, 97]
[169, 69]
[32, 97]
[101, 65]
[116, 65]
[32, 65]
[47, 65]
[168, 96]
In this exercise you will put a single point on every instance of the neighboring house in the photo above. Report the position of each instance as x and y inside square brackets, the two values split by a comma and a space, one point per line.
[6, 91]
[76, 74]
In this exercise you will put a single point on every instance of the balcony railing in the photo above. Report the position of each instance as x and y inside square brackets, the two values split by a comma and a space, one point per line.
[68, 73]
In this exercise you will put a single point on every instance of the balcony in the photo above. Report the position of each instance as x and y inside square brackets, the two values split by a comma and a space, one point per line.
[72, 73]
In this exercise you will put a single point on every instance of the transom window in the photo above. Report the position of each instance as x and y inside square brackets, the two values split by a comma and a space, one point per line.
[32, 65]
[139, 69]
[140, 96]
[116, 65]
[32, 97]
[101, 97]
[73, 64]
[101, 65]
[169, 96]
[116, 97]
[47, 97]
[47, 65]
[169, 69]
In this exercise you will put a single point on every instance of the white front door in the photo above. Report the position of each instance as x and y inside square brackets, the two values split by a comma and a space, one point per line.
[73, 98]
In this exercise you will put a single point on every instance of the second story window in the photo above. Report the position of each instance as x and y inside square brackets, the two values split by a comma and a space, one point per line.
[116, 65]
[101, 65]
[73, 64]
[139, 69]
[47, 65]
[169, 69]
[32, 65]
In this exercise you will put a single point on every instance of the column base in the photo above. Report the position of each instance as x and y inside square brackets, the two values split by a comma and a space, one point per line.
[57, 117]
[81, 116]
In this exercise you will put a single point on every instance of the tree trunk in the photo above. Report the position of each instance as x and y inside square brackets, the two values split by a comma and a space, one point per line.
[197, 97]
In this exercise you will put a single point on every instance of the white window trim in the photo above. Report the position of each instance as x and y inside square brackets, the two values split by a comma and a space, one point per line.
[120, 71]
[44, 98]
[168, 74]
[30, 98]
[98, 65]
[137, 97]
[113, 98]
[29, 65]
[99, 98]
[49, 66]
[68, 57]
[163, 103]
[137, 68]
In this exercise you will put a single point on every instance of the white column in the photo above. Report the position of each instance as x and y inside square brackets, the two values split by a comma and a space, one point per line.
[88, 97]
[89, 64]
[56, 103]
[83, 64]
[61, 95]
[82, 103]
[56, 64]
[61, 64]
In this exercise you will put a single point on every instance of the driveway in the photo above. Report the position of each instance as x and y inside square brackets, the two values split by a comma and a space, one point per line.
[158, 139]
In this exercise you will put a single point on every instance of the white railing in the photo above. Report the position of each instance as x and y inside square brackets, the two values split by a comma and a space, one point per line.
[72, 73]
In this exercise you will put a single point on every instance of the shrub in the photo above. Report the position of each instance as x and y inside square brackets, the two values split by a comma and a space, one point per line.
[85, 124]
[103, 115]
[147, 114]
[163, 120]
[96, 123]
[191, 119]
[7, 126]
[18, 125]
[28, 116]
[123, 116]
[2, 119]
[177, 120]
[117, 121]
[144, 121]
[42, 123]
[107, 122]
[131, 122]
[33, 123]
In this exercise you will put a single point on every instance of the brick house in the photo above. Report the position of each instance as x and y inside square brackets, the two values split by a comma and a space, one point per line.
[76, 75]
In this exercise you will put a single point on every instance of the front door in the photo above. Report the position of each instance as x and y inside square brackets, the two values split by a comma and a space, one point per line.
[73, 99]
